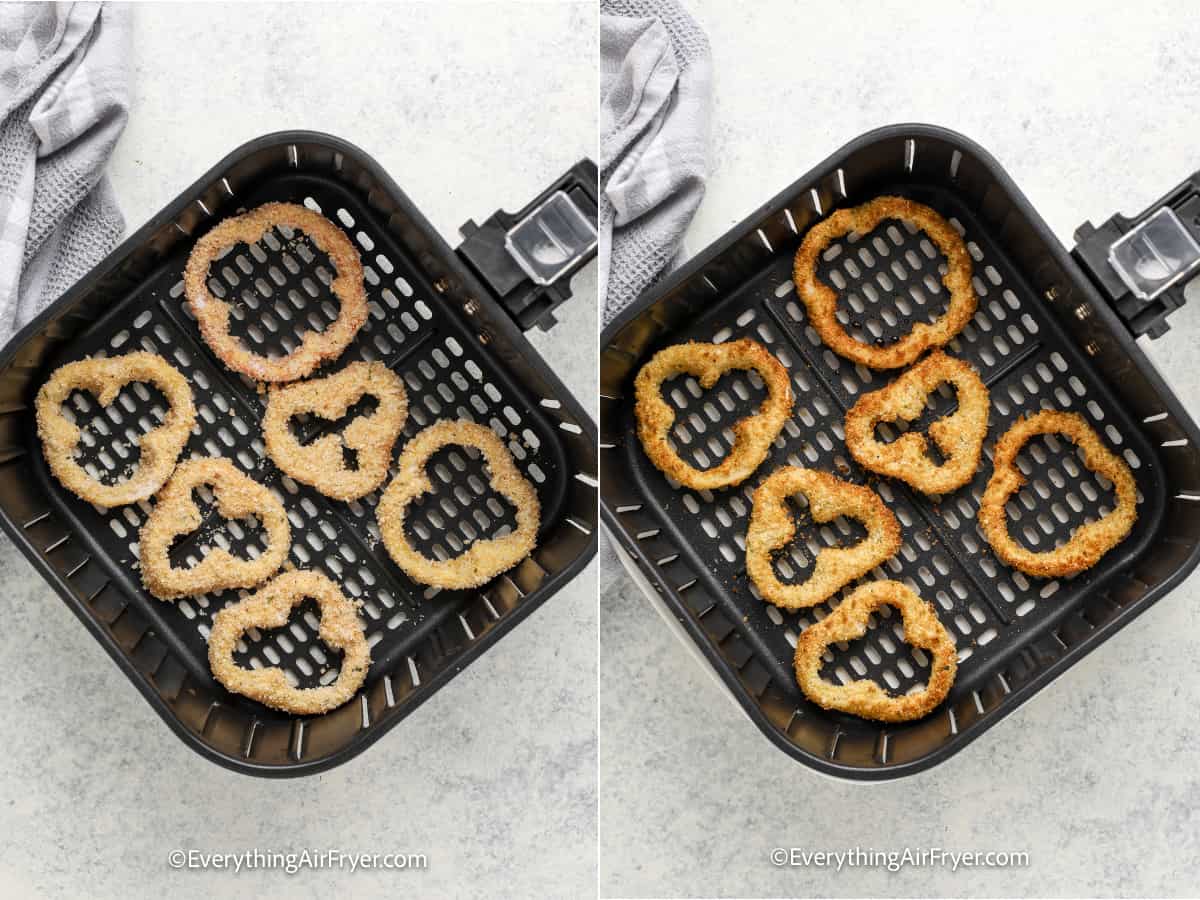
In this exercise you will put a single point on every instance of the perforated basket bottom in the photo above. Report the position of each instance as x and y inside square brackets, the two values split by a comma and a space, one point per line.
[988, 608]
[280, 288]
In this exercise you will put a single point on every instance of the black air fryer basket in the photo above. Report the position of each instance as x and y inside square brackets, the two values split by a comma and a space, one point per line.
[1053, 330]
[449, 322]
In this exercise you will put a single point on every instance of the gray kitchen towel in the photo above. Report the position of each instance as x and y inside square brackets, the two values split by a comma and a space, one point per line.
[64, 99]
[655, 98]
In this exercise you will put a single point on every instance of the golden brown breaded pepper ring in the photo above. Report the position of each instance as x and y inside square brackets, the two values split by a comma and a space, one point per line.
[237, 496]
[959, 435]
[104, 378]
[922, 628]
[484, 559]
[1089, 541]
[773, 527]
[371, 436]
[753, 435]
[316, 347]
[821, 299]
[269, 608]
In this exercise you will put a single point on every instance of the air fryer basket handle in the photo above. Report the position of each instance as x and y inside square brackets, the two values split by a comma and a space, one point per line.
[1144, 264]
[527, 258]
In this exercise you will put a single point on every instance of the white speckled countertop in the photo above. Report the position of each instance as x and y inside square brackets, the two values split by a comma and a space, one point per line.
[470, 109]
[1091, 108]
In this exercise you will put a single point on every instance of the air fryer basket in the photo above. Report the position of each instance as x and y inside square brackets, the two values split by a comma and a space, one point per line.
[460, 354]
[1043, 337]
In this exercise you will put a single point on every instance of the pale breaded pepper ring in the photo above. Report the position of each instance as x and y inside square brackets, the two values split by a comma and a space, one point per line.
[772, 527]
[104, 378]
[316, 347]
[959, 436]
[485, 558]
[321, 463]
[175, 512]
[269, 608]
[1090, 541]
[864, 698]
[821, 300]
[753, 435]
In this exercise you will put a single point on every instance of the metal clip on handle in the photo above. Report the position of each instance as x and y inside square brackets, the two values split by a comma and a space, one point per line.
[1146, 264]
[527, 258]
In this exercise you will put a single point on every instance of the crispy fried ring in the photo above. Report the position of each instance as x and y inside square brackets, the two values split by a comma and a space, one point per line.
[959, 435]
[1089, 541]
[821, 300]
[484, 559]
[753, 435]
[772, 527]
[922, 628]
[316, 347]
[321, 463]
[175, 513]
[269, 608]
[104, 378]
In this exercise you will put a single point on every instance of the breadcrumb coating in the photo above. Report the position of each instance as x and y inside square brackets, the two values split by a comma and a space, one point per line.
[1090, 541]
[175, 512]
[321, 463]
[484, 559]
[316, 347]
[270, 608]
[821, 300]
[753, 435]
[959, 436]
[773, 527]
[862, 697]
[104, 378]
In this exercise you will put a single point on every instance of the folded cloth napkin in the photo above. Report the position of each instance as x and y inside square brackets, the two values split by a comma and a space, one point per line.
[655, 97]
[64, 99]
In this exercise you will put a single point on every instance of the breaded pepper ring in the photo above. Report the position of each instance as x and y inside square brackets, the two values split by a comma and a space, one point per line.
[321, 463]
[959, 435]
[269, 608]
[175, 513]
[922, 628]
[484, 559]
[104, 378]
[772, 527]
[316, 347]
[1089, 541]
[821, 299]
[753, 435]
